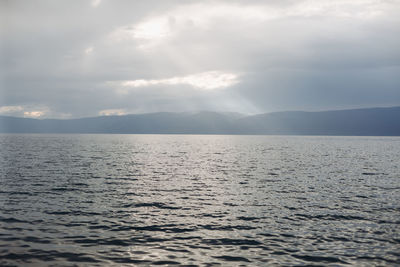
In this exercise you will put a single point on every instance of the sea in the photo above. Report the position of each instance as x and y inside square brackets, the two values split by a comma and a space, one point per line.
[199, 200]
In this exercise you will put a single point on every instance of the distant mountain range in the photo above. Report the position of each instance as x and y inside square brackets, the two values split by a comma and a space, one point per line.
[367, 122]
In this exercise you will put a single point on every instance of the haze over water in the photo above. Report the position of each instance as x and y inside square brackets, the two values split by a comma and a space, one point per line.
[199, 200]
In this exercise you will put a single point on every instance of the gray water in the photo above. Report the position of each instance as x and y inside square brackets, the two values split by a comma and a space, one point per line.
[68, 200]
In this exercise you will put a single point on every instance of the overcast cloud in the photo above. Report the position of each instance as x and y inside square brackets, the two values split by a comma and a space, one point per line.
[68, 59]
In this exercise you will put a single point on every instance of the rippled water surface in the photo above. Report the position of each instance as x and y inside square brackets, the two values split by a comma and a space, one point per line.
[69, 200]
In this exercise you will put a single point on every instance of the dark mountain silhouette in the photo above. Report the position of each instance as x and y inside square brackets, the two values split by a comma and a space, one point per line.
[369, 121]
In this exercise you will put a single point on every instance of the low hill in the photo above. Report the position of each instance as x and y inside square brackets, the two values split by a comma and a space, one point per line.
[369, 121]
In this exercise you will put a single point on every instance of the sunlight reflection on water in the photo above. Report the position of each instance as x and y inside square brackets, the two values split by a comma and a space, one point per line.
[199, 200]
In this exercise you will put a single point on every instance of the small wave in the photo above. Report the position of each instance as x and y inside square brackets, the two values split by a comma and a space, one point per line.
[19, 193]
[371, 173]
[34, 254]
[228, 241]
[74, 213]
[377, 258]
[165, 263]
[126, 260]
[244, 218]
[318, 259]
[171, 228]
[64, 189]
[157, 205]
[232, 258]
[330, 217]
[100, 241]
[228, 227]
[79, 184]
[11, 220]
[33, 239]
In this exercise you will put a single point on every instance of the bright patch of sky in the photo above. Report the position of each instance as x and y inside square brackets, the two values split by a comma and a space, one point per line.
[95, 3]
[10, 109]
[112, 112]
[33, 114]
[203, 15]
[206, 81]
[89, 50]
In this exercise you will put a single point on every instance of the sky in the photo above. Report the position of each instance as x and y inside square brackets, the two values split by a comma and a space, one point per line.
[72, 59]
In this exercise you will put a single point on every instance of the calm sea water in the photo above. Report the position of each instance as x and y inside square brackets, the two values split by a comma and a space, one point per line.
[68, 200]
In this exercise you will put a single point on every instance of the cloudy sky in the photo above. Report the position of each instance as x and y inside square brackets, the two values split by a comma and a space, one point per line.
[69, 59]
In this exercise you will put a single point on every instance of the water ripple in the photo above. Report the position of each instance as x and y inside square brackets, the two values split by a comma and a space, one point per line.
[127, 200]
